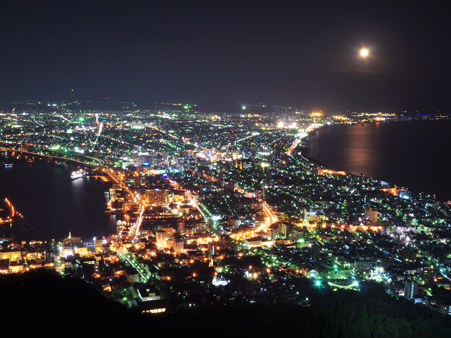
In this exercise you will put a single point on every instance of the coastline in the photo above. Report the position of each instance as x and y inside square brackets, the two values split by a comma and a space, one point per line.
[305, 145]
[62, 193]
[391, 176]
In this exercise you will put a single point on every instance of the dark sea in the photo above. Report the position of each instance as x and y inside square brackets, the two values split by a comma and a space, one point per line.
[53, 204]
[410, 154]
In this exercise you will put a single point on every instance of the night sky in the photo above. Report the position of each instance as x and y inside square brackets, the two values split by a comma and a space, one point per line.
[222, 52]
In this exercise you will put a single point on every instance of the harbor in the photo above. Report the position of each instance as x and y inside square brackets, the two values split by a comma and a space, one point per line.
[53, 203]
[11, 220]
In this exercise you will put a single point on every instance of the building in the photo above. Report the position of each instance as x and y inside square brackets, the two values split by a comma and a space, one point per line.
[180, 226]
[157, 195]
[364, 263]
[16, 267]
[147, 293]
[284, 230]
[12, 255]
[156, 306]
[73, 241]
[132, 275]
[178, 244]
[445, 309]
[201, 227]
[138, 177]
[410, 289]
[4, 266]
[161, 238]
[371, 215]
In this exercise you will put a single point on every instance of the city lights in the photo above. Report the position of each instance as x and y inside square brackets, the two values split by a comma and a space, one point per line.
[213, 199]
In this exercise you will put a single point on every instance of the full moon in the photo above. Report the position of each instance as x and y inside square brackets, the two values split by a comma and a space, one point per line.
[364, 52]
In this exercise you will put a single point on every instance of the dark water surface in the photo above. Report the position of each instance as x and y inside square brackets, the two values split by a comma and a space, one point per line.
[412, 154]
[53, 204]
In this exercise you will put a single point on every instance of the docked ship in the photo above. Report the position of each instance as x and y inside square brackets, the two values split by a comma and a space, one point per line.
[78, 174]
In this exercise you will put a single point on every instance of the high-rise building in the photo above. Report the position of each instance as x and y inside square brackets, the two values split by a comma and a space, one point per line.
[178, 244]
[138, 178]
[181, 226]
[161, 238]
[410, 289]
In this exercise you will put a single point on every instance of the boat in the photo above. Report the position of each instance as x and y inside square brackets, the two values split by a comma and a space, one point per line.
[78, 174]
